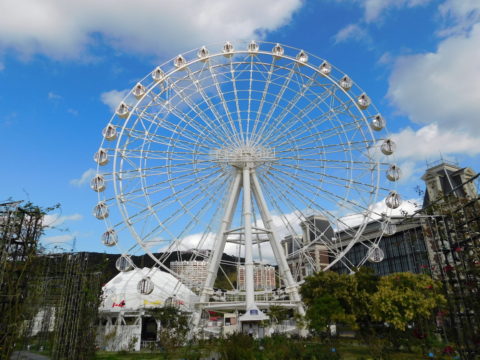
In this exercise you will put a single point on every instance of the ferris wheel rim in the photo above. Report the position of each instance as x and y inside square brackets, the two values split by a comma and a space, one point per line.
[212, 56]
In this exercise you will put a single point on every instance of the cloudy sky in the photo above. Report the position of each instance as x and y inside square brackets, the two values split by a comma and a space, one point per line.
[64, 64]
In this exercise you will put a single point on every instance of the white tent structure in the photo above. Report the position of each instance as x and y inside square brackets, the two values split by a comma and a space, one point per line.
[123, 308]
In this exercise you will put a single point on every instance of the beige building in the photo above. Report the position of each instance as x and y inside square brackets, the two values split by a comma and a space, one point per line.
[446, 177]
[263, 277]
[306, 253]
[192, 273]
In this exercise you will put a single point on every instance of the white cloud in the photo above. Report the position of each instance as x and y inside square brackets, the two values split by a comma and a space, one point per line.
[85, 178]
[64, 29]
[431, 141]
[441, 86]
[407, 207]
[52, 96]
[463, 13]
[55, 220]
[2, 66]
[113, 98]
[351, 32]
[58, 239]
[73, 112]
[375, 8]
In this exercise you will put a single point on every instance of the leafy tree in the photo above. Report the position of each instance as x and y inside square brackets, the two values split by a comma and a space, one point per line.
[330, 299]
[382, 310]
[404, 298]
[173, 327]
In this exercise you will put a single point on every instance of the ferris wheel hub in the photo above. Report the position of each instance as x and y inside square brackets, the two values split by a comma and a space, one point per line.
[244, 156]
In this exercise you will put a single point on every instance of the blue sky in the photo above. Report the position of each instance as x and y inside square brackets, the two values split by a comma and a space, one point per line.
[64, 65]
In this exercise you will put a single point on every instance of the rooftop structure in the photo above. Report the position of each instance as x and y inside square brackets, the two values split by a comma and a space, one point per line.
[448, 178]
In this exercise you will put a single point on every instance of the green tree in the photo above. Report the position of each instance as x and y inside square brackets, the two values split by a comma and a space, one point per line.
[403, 298]
[173, 329]
[384, 311]
[330, 299]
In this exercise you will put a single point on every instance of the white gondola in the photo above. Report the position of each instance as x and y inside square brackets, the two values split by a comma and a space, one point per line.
[376, 254]
[110, 238]
[101, 157]
[346, 83]
[278, 51]
[388, 228]
[179, 62]
[202, 53]
[145, 286]
[122, 110]
[302, 57]
[228, 49]
[363, 101]
[124, 263]
[325, 68]
[100, 211]
[393, 200]
[388, 147]
[139, 90]
[253, 48]
[378, 122]
[157, 74]
[97, 183]
[393, 173]
[109, 132]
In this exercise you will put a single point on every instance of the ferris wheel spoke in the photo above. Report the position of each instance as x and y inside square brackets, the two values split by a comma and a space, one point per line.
[197, 109]
[137, 193]
[291, 189]
[237, 105]
[298, 158]
[186, 120]
[338, 146]
[300, 218]
[286, 126]
[316, 121]
[163, 140]
[162, 203]
[322, 134]
[216, 116]
[323, 192]
[249, 106]
[195, 218]
[327, 175]
[137, 172]
[167, 184]
[218, 88]
[263, 98]
[258, 135]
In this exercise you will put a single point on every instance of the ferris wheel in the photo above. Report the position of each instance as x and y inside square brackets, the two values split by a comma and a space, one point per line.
[245, 155]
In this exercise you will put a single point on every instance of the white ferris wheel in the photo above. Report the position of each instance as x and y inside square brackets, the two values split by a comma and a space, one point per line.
[245, 155]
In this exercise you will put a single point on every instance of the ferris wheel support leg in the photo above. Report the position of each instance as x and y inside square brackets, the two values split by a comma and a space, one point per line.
[247, 216]
[252, 312]
[285, 272]
[219, 246]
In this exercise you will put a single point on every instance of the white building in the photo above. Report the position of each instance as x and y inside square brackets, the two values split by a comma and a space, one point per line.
[192, 273]
[123, 312]
[263, 277]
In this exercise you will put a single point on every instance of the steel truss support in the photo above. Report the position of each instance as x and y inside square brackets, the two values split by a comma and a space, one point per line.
[246, 179]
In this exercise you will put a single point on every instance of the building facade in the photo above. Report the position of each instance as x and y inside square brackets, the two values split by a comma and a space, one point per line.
[263, 277]
[192, 273]
[306, 253]
[406, 250]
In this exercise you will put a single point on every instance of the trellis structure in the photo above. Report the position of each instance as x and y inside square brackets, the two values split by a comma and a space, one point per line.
[452, 230]
[20, 229]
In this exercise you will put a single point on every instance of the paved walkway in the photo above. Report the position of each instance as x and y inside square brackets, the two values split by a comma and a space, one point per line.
[26, 355]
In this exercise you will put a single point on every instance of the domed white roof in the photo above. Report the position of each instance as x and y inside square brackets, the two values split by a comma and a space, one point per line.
[121, 292]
